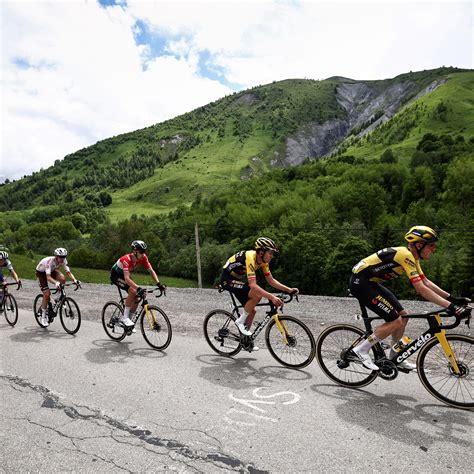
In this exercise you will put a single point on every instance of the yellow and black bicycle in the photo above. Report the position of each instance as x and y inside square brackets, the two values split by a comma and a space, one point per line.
[288, 339]
[444, 364]
[154, 323]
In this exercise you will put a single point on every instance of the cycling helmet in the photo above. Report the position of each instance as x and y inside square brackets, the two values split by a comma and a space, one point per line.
[4, 255]
[264, 243]
[421, 233]
[138, 245]
[60, 252]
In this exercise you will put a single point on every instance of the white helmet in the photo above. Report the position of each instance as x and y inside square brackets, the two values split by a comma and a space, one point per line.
[4, 255]
[60, 252]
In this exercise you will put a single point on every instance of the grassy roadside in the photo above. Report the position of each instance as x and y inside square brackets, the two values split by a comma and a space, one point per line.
[25, 268]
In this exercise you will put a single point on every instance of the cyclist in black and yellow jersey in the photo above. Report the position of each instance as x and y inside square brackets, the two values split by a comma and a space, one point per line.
[245, 264]
[386, 264]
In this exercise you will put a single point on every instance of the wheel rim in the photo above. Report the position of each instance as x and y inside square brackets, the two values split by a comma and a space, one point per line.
[332, 345]
[222, 333]
[37, 310]
[70, 316]
[110, 321]
[11, 310]
[156, 328]
[439, 378]
[299, 347]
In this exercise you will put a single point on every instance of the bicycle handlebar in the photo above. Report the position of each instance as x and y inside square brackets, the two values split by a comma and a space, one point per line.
[76, 285]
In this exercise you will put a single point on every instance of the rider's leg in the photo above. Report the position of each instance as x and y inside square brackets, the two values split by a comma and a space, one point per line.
[250, 307]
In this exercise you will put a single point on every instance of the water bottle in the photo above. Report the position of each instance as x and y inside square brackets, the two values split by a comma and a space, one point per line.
[401, 344]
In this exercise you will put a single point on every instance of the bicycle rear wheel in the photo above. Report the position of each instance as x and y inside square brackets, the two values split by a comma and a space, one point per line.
[221, 332]
[70, 316]
[299, 348]
[332, 347]
[10, 308]
[156, 328]
[111, 314]
[37, 310]
[438, 376]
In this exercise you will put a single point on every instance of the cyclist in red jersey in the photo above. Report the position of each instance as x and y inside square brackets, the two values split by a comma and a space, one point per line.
[120, 276]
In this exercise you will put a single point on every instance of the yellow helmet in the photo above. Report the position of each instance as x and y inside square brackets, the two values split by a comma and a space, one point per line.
[264, 243]
[421, 233]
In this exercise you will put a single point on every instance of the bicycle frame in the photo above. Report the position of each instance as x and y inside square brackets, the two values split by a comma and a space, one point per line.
[5, 293]
[436, 329]
[271, 313]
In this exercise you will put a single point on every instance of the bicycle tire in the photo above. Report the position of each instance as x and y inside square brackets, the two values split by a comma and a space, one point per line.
[221, 333]
[70, 315]
[330, 347]
[300, 348]
[37, 310]
[111, 313]
[10, 309]
[436, 374]
[156, 328]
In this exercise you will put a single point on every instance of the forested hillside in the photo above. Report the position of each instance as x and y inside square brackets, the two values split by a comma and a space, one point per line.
[415, 166]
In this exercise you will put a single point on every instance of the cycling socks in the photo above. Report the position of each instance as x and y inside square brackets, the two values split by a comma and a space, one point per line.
[126, 312]
[365, 346]
[242, 318]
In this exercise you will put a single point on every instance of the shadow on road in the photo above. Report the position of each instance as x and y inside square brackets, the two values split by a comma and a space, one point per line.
[234, 373]
[397, 417]
[37, 334]
[106, 351]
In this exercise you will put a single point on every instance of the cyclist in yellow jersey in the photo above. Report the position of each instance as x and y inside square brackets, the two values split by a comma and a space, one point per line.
[389, 263]
[245, 264]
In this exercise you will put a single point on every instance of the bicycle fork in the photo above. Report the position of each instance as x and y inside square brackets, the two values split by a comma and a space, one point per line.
[282, 327]
[441, 336]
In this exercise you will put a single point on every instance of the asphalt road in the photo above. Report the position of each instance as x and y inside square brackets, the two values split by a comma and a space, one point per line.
[86, 403]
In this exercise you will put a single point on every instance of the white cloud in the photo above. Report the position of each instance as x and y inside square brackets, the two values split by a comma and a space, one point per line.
[87, 82]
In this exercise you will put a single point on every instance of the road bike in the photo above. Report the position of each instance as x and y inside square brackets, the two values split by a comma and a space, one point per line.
[8, 304]
[288, 339]
[69, 313]
[154, 323]
[444, 364]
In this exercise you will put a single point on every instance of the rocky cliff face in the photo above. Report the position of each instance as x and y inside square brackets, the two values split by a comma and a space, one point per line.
[366, 108]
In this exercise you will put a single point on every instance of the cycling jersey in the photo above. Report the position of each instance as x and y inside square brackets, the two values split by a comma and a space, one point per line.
[245, 264]
[389, 263]
[5, 263]
[129, 262]
[50, 264]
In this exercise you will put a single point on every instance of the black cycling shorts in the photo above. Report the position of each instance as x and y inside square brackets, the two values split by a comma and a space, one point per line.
[375, 297]
[238, 288]
[116, 279]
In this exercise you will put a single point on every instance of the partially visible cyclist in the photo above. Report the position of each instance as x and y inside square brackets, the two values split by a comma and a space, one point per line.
[120, 276]
[47, 271]
[243, 265]
[6, 263]
[386, 264]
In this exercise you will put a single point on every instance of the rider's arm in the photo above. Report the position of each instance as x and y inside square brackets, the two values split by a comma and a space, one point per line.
[154, 275]
[129, 281]
[428, 294]
[279, 286]
[71, 276]
[15, 276]
[435, 288]
[261, 293]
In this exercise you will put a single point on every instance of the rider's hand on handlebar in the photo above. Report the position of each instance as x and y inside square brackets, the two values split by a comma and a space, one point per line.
[19, 284]
[294, 291]
[57, 284]
[459, 311]
[458, 300]
[77, 283]
[140, 291]
[161, 287]
[276, 301]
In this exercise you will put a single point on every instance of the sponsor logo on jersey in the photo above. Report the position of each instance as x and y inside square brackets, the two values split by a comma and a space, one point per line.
[410, 262]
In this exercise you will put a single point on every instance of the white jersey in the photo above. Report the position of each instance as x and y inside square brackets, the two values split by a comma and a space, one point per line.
[6, 263]
[49, 264]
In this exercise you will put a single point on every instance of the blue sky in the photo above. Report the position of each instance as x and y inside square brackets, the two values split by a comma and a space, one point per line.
[78, 71]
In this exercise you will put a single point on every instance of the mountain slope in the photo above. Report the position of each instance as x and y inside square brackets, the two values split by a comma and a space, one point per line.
[240, 136]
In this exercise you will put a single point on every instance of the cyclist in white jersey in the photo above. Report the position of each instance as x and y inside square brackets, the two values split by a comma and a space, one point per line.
[47, 271]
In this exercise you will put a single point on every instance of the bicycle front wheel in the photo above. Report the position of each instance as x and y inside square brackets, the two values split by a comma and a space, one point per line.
[111, 314]
[10, 309]
[37, 310]
[438, 376]
[70, 316]
[156, 328]
[221, 333]
[332, 347]
[296, 348]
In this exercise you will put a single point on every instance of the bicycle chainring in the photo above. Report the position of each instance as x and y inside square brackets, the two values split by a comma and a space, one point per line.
[388, 370]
